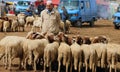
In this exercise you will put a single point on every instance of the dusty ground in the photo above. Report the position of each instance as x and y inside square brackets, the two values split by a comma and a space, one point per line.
[102, 27]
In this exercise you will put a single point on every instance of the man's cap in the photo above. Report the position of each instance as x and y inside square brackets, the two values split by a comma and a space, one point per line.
[49, 2]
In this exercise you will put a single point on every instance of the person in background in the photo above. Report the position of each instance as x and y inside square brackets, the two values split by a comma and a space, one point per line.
[41, 7]
[32, 8]
[64, 17]
[28, 12]
[2, 9]
[56, 7]
[50, 19]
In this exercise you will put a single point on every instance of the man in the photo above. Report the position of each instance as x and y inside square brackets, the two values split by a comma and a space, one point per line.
[50, 19]
[2, 8]
[64, 17]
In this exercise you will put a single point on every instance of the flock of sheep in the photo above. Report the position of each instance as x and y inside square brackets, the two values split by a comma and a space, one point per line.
[20, 22]
[75, 52]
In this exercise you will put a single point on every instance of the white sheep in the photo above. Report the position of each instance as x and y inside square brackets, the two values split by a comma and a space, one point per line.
[90, 57]
[35, 47]
[21, 15]
[64, 51]
[77, 54]
[68, 24]
[50, 54]
[6, 26]
[36, 23]
[29, 20]
[21, 20]
[14, 26]
[101, 50]
[13, 48]
[112, 56]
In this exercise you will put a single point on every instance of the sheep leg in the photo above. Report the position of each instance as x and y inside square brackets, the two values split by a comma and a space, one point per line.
[67, 64]
[50, 67]
[86, 69]
[35, 62]
[110, 68]
[6, 60]
[44, 66]
[23, 29]
[59, 64]
[75, 63]
[80, 67]
[71, 66]
[9, 61]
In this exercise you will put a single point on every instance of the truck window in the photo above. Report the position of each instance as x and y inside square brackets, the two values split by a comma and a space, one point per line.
[87, 4]
[23, 3]
[69, 4]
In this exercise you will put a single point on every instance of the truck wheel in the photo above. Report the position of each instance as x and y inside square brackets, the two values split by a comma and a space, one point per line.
[116, 27]
[79, 23]
[92, 23]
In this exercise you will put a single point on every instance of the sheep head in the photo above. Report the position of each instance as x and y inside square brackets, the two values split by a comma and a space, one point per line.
[64, 38]
[78, 39]
[34, 35]
[100, 39]
[50, 37]
[86, 40]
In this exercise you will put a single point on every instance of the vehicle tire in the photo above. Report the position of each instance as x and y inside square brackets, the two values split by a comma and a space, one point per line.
[92, 23]
[79, 23]
[116, 27]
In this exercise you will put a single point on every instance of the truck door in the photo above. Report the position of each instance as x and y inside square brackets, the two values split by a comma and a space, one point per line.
[85, 10]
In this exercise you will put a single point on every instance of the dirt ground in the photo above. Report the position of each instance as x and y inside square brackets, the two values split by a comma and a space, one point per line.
[102, 27]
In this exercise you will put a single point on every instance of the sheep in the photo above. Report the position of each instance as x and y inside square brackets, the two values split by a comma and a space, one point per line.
[101, 50]
[29, 20]
[35, 47]
[50, 54]
[112, 58]
[14, 26]
[1, 25]
[6, 26]
[21, 20]
[68, 24]
[36, 23]
[87, 40]
[77, 53]
[35, 35]
[12, 48]
[100, 39]
[89, 57]
[64, 51]
[21, 15]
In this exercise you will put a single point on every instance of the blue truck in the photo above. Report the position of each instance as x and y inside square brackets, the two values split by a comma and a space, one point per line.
[22, 5]
[80, 11]
[116, 20]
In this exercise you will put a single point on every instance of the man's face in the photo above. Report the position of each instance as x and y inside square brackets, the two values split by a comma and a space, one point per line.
[49, 6]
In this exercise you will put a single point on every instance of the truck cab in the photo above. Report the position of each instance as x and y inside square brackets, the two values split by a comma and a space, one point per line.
[21, 6]
[80, 11]
[116, 20]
